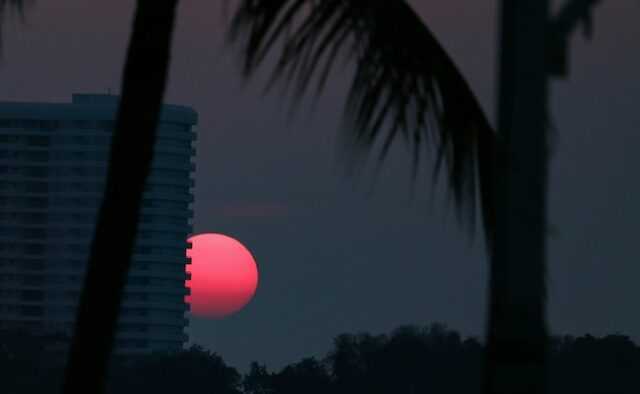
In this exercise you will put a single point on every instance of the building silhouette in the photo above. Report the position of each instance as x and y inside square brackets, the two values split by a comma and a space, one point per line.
[53, 160]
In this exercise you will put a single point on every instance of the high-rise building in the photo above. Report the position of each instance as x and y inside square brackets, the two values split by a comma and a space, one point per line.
[53, 160]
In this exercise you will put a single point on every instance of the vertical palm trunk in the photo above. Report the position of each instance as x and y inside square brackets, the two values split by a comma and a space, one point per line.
[516, 344]
[143, 86]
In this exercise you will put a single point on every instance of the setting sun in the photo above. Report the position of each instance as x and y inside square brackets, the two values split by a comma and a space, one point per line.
[224, 275]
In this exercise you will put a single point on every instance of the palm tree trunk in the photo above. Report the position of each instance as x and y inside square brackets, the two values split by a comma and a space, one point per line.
[143, 86]
[517, 332]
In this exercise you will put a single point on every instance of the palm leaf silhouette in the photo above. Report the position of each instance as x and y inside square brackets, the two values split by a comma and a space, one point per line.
[17, 5]
[405, 85]
[12, 5]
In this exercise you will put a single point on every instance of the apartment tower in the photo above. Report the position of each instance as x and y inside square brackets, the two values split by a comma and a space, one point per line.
[53, 161]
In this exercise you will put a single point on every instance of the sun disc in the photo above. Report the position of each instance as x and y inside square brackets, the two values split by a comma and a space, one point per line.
[224, 275]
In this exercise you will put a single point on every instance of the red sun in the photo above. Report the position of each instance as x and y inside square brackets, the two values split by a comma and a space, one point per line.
[224, 275]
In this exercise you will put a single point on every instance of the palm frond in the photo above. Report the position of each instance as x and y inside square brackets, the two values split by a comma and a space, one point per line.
[12, 5]
[405, 85]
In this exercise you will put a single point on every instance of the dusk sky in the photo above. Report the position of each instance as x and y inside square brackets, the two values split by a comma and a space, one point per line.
[335, 251]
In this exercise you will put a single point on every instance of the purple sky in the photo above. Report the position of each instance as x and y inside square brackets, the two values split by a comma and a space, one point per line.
[334, 257]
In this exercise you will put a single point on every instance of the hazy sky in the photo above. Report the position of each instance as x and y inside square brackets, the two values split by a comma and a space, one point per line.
[333, 255]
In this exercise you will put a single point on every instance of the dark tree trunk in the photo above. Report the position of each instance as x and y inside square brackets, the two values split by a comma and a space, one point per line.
[517, 332]
[143, 86]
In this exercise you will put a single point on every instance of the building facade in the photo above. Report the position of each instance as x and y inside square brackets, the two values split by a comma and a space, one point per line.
[53, 161]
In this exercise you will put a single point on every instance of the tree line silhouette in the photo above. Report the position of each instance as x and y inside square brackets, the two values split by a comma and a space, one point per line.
[410, 359]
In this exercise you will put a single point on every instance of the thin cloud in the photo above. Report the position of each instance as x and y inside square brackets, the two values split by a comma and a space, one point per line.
[253, 210]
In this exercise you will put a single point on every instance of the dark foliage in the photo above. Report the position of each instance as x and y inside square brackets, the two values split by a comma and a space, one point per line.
[23, 357]
[405, 85]
[437, 360]
[410, 360]
[33, 365]
[309, 376]
[595, 365]
[194, 370]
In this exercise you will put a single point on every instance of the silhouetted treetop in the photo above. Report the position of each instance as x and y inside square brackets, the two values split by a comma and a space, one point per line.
[408, 360]
[194, 370]
[435, 359]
